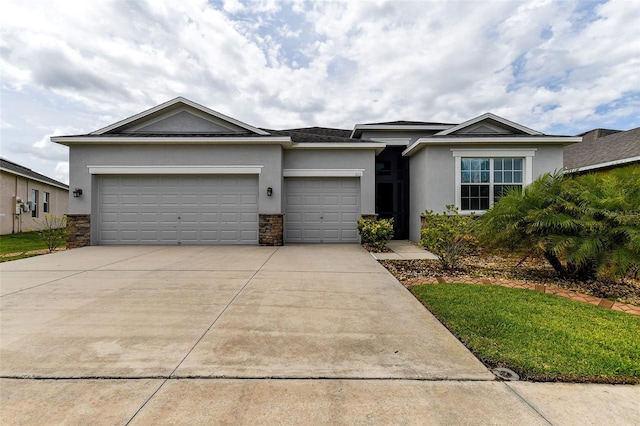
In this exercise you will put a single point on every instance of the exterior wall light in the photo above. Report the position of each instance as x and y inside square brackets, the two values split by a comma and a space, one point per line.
[77, 192]
[269, 191]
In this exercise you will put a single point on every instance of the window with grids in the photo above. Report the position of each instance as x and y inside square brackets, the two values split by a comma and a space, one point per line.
[34, 200]
[45, 202]
[485, 180]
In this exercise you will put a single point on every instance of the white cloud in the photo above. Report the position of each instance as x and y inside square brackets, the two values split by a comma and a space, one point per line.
[61, 172]
[546, 64]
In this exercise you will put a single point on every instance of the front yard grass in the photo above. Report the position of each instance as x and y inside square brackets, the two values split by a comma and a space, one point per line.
[20, 243]
[540, 336]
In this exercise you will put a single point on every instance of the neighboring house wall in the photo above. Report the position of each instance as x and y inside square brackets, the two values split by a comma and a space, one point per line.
[13, 186]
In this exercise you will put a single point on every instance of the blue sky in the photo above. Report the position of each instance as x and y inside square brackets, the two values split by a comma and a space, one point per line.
[68, 67]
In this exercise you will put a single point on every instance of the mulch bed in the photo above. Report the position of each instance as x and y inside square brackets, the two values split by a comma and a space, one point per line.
[530, 270]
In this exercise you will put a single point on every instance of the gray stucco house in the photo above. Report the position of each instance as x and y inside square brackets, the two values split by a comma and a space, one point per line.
[181, 173]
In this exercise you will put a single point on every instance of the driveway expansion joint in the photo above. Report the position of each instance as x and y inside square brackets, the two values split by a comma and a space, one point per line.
[203, 335]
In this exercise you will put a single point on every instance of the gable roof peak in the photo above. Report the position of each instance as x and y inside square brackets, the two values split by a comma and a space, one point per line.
[490, 117]
[171, 104]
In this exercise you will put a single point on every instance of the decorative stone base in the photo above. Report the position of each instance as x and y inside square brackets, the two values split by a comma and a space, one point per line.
[78, 230]
[270, 229]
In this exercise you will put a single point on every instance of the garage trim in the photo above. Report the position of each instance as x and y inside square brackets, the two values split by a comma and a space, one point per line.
[323, 172]
[175, 170]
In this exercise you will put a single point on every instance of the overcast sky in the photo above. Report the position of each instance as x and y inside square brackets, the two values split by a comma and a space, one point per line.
[71, 67]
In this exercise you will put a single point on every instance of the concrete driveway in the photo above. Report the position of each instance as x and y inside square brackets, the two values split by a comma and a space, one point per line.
[296, 334]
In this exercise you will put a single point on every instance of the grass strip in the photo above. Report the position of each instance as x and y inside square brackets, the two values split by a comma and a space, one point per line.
[21, 242]
[540, 336]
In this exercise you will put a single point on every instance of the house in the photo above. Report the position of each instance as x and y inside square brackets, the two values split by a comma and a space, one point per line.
[181, 173]
[26, 196]
[603, 149]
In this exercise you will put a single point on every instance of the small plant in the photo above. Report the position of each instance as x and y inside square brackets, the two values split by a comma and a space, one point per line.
[53, 230]
[375, 232]
[448, 236]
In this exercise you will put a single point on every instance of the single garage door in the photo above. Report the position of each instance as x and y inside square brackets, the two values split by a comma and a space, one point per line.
[321, 210]
[178, 210]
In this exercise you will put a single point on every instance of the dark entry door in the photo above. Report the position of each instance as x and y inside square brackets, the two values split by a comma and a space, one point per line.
[392, 190]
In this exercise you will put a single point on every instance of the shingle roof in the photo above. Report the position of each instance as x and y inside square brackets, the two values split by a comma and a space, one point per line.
[594, 150]
[410, 123]
[15, 168]
[323, 131]
[315, 135]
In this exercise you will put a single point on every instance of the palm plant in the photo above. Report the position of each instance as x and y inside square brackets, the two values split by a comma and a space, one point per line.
[584, 226]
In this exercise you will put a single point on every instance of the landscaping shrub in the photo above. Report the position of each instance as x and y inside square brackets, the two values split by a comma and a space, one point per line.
[448, 236]
[375, 232]
[586, 226]
[53, 230]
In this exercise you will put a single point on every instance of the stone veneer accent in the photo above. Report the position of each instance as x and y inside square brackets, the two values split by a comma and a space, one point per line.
[270, 229]
[372, 216]
[78, 230]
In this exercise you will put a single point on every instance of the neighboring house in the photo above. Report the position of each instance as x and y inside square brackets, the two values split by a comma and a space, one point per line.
[181, 173]
[26, 196]
[603, 149]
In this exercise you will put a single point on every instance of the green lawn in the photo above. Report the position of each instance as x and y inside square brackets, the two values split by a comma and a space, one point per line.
[19, 243]
[538, 335]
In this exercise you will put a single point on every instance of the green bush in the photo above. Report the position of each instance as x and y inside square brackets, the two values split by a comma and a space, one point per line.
[448, 236]
[375, 232]
[53, 230]
[585, 226]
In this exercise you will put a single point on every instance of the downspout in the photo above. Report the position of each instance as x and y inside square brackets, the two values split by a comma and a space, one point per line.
[15, 198]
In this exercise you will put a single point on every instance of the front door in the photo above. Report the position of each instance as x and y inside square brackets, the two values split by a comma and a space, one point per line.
[392, 190]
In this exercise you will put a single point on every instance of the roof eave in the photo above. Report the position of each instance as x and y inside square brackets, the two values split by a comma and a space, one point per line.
[378, 147]
[491, 140]
[204, 140]
[359, 128]
[57, 184]
[604, 165]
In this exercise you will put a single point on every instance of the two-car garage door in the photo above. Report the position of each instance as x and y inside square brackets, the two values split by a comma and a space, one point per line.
[222, 209]
[176, 209]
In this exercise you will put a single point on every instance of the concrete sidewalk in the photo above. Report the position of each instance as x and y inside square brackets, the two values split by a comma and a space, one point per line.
[250, 335]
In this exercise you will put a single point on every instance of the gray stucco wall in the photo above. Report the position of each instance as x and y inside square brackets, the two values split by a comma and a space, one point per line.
[272, 157]
[339, 159]
[432, 174]
[268, 156]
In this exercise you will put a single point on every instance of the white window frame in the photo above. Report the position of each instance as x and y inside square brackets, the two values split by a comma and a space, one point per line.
[526, 153]
[46, 202]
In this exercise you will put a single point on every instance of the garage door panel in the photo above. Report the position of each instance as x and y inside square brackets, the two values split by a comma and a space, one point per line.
[249, 217]
[321, 210]
[349, 201]
[178, 210]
